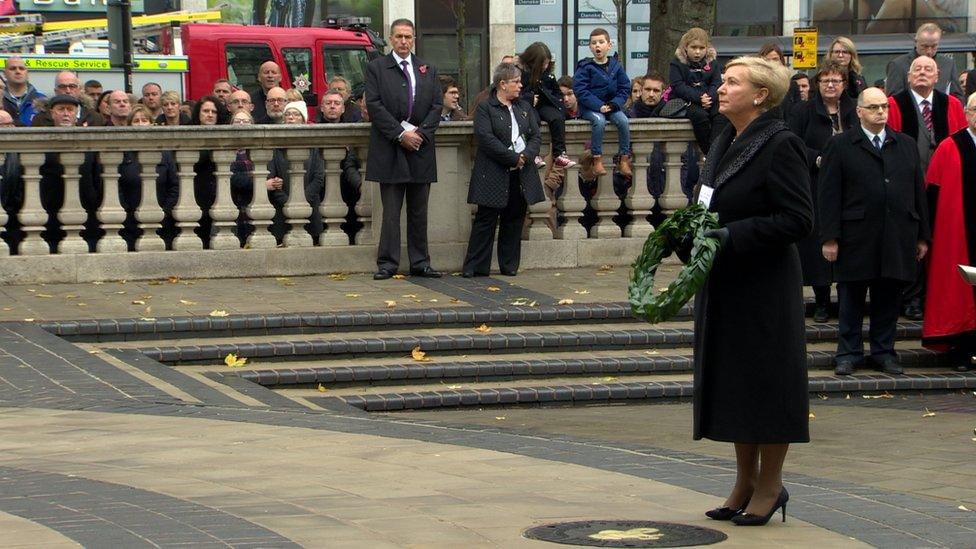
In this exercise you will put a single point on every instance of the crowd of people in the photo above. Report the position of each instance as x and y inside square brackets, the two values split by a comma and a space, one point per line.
[860, 235]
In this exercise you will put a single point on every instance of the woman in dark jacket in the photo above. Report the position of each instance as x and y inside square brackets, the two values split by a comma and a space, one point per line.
[750, 344]
[843, 52]
[829, 112]
[205, 113]
[504, 179]
[540, 89]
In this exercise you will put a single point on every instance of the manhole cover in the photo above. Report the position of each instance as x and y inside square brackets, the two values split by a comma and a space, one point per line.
[625, 533]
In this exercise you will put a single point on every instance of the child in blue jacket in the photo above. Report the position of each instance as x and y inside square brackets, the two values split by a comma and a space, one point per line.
[602, 87]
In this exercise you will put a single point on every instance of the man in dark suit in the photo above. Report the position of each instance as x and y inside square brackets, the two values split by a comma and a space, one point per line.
[874, 228]
[403, 97]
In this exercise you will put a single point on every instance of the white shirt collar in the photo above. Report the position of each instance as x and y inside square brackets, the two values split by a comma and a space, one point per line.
[871, 136]
[972, 134]
[919, 98]
[408, 59]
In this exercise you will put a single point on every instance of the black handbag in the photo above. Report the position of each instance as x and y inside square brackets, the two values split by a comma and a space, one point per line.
[675, 108]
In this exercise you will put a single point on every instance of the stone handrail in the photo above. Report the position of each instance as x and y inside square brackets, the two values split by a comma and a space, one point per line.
[450, 216]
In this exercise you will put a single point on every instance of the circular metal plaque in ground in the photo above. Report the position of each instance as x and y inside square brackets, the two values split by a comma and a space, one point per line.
[625, 533]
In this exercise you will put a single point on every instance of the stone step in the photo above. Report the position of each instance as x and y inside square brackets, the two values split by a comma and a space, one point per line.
[582, 340]
[144, 329]
[634, 391]
[624, 364]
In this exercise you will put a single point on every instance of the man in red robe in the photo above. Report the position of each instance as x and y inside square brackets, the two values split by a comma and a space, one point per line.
[950, 302]
[929, 117]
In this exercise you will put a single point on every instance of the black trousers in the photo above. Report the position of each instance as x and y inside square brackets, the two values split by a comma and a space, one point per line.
[914, 292]
[884, 317]
[509, 221]
[388, 251]
[557, 127]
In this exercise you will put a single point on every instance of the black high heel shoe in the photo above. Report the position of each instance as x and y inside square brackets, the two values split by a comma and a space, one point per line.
[725, 513]
[748, 519]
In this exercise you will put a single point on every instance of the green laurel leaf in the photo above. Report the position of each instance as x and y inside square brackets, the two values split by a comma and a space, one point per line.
[645, 300]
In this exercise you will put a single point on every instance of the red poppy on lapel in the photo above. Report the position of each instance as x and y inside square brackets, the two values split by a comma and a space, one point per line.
[707, 67]
[422, 69]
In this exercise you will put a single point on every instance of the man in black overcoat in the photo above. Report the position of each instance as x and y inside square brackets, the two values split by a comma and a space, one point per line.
[874, 228]
[403, 97]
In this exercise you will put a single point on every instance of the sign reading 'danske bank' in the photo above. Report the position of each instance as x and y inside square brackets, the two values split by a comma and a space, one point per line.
[71, 6]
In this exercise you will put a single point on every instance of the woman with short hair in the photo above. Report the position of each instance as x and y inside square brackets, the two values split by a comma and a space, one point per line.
[504, 179]
[750, 340]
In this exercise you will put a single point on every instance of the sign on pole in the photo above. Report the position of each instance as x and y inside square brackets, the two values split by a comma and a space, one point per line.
[805, 48]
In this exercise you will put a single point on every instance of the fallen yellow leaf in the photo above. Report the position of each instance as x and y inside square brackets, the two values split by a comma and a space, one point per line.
[188, 302]
[557, 274]
[218, 313]
[234, 362]
[8, 308]
[812, 416]
[31, 290]
[322, 388]
[156, 282]
[352, 295]
[82, 304]
[399, 276]
[455, 300]
[493, 289]
[650, 352]
[419, 355]
[886, 395]
[138, 302]
[963, 508]
[173, 279]
[565, 302]
[390, 303]
[338, 276]
[928, 413]
[499, 417]
[432, 300]
[98, 283]
[70, 296]
[148, 318]
[43, 295]
[581, 292]
[282, 279]
[28, 320]
[609, 378]
[484, 328]
[120, 292]
[606, 268]
[409, 296]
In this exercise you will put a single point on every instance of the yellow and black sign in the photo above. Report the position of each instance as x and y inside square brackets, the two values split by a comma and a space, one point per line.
[805, 48]
[62, 63]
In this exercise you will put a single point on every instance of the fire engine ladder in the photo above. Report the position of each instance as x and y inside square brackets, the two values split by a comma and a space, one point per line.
[70, 31]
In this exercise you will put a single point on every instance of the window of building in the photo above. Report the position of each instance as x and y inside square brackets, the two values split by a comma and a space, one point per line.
[748, 18]
[886, 16]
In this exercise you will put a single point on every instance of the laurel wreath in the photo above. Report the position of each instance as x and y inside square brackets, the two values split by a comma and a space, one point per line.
[660, 305]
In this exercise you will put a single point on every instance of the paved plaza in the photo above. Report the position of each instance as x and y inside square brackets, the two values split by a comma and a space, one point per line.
[102, 446]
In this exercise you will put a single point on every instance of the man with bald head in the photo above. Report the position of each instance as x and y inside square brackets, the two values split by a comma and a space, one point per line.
[67, 83]
[274, 107]
[873, 228]
[929, 117]
[239, 100]
[19, 98]
[269, 76]
[927, 39]
[950, 305]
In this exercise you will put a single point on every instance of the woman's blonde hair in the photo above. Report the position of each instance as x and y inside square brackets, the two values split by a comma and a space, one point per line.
[765, 74]
[693, 34]
[139, 109]
[169, 97]
[294, 95]
[848, 45]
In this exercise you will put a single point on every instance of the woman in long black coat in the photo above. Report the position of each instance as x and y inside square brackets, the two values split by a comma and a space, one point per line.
[750, 345]
[504, 179]
[830, 111]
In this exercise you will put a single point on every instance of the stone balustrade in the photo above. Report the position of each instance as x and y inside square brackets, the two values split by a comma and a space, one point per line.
[223, 255]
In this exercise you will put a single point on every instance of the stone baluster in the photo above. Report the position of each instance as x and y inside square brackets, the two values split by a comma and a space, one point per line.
[149, 214]
[332, 207]
[606, 205]
[186, 213]
[571, 202]
[639, 200]
[224, 212]
[539, 214]
[364, 207]
[32, 216]
[111, 214]
[260, 211]
[673, 197]
[297, 209]
[72, 215]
